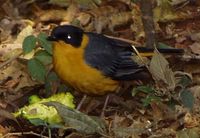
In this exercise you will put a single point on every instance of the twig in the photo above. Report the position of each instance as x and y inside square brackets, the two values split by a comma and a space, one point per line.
[81, 102]
[182, 5]
[10, 60]
[123, 39]
[104, 135]
[146, 7]
[23, 133]
[189, 57]
[138, 54]
[49, 132]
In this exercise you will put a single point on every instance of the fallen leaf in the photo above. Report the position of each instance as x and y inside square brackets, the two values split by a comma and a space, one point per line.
[195, 37]
[188, 133]
[177, 2]
[84, 18]
[195, 47]
[8, 53]
[127, 127]
[77, 120]
[3, 131]
[191, 121]
[28, 30]
[120, 18]
[161, 111]
[86, 4]
[160, 70]
[52, 15]
[17, 70]
[187, 98]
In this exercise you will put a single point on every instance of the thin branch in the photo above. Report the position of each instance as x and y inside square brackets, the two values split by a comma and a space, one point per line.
[23, 133]
[125, 40]
[146, 7]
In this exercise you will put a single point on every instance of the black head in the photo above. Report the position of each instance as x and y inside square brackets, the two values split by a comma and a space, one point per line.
[67, 33]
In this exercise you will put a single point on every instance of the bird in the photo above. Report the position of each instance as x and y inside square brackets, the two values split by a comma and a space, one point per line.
[95, 64]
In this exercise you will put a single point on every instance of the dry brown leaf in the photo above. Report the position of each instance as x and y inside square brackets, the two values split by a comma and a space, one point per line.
[101, 23]
[28, 30]
[137, 26]
[122, 127]
[3, 130]
[52, 15]
[193, 68]
[102, 16]
[72, 11]
[160, 70]
[10, 9]
[195, 37]
[195, 47]
[105, 11]
[9, 51]
[86, 4]
[161, 111]
[64, 15]
[165, 12]
[121, 18]
[84, 18]
[181, 39]
[17, 71]
[191, 121]
[164, 133]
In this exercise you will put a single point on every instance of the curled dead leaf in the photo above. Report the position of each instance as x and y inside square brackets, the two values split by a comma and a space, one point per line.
[191, 121]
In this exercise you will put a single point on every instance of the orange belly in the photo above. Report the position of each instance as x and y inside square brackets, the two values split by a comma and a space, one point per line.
[70, 66]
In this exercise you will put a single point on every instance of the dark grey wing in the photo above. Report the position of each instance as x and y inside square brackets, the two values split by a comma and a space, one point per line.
[113, 60]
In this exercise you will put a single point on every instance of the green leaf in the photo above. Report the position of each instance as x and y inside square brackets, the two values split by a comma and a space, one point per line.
[43, 57]
[77, 120]
[36, 69]
[145, 89]
[150, 98]
[42, 38]
[63, 87]
[51, 79]
[185, 81]
[187, 98]
[29, 43]
[37, 122]
[172, 103]
[164, 46]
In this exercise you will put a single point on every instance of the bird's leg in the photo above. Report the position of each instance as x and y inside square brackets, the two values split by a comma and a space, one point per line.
[105, 105]
[106, 102]
[81, 102]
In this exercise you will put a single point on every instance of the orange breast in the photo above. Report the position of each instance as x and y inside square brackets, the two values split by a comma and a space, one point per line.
[70, 66]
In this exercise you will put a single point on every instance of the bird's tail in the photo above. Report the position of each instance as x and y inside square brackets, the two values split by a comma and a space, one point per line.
[149, 51]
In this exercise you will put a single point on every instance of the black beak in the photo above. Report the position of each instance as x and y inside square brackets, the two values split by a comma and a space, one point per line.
[51, 38]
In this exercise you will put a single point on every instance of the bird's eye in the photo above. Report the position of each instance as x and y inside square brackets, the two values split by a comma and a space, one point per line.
[69, 37]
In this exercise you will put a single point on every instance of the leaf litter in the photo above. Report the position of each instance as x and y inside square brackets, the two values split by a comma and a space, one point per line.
[168, 107]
